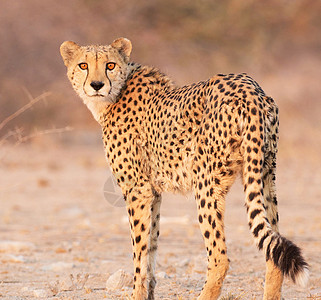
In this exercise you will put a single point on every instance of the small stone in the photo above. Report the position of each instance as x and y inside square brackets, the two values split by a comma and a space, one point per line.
[183, 263]
[73, 212]
[40, 293]
[118, 280]
[16, 246]
[162, 275]
[25, 291]
[84, 224]
[58, 266]
[10, 258]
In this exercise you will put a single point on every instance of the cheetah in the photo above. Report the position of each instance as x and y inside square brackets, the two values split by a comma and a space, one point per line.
[159, 137]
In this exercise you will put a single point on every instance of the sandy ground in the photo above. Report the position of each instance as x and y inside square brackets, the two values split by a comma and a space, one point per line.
[60, 238]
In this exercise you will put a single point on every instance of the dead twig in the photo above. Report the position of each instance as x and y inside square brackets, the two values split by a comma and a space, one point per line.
[23, 109]
[11, 133]
[79, 282]
[23, 139]
[17, 133]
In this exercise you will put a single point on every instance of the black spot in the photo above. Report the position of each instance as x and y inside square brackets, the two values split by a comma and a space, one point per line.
[268, 247]
[260, 245]
[138, 238]
[207, 234]
[254, 213]
[203, 203]
[200, 219]
[134, 198]
[257, 229]
[253, 111]
[251, 180]
[256, 170]
[252, 196]
[136, 222]
[218, 234]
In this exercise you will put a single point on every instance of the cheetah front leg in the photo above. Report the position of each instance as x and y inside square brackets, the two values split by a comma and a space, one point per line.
[155, 214]
[139, 202]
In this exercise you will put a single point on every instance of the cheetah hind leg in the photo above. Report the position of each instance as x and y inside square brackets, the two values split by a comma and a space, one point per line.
[273, 282]
[210, 216]
[155, 217]
[273, 275]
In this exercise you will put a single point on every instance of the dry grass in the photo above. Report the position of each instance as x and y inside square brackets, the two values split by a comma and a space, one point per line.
[21, 110]
[232, 296]
[314, 297]
[16, 136]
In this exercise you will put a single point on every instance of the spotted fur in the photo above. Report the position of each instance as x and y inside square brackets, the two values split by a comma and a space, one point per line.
[159, 137]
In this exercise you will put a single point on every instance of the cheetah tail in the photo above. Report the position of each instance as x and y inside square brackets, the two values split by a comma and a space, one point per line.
[284, 254]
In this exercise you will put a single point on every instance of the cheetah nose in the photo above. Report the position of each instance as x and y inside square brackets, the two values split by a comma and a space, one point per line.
[97, 85]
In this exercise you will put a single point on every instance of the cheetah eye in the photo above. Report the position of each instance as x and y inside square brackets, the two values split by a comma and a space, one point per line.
[83, 66]
[110, 66]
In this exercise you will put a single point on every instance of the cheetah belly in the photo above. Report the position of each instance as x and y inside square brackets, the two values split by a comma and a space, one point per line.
[173, 173]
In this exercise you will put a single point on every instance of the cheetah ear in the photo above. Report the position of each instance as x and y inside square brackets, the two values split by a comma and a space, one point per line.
[67, 51]
[124, 46]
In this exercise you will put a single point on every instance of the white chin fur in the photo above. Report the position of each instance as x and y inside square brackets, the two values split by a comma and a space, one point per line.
[97, 106]
[302, 277]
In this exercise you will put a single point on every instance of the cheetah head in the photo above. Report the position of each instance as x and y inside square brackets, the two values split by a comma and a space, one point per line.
[97, 73]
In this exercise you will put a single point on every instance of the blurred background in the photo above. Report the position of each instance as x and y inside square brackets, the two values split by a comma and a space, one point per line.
[276, 42]
[51, 190]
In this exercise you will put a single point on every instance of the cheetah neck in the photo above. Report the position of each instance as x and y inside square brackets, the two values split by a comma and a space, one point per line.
[99, 107]
[148, 78]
